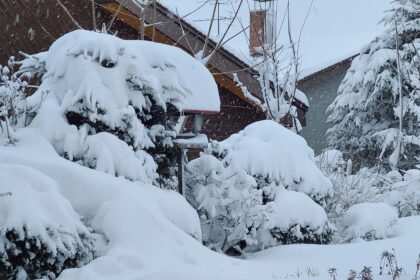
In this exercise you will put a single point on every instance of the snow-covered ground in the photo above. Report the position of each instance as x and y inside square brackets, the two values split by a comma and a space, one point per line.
[147, 233]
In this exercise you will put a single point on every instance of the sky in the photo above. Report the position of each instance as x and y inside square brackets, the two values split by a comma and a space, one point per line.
[334, 29]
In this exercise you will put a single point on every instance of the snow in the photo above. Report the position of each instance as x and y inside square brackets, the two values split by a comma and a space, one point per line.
[297, 208]
[198, 141]
[330, 160]
[51, 217]
[180, 79]
[133, 217]
[334, 30]
[148, 232]
[369, 221]
[289, 161]
[299, 95]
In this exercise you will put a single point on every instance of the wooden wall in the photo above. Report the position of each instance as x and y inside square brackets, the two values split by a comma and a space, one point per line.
[32, 26]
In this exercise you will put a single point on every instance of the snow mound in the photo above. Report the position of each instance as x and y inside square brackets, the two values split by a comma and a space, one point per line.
[369, 221]
[34, 213]
[22, 185]
[297, 208]
[179, 78]
[140, 227]
[271, 151]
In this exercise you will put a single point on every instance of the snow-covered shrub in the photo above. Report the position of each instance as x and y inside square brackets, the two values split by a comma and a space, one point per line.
[366, 185]
[40, 233]
[366, 114]
[405, 194]
[108, 99]
[240, 187]
[274, 156]
[12, 99]
[229, 204]
[369, 221]
[299, 219]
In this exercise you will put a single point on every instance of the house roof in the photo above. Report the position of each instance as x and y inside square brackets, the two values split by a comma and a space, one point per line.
[333, 31]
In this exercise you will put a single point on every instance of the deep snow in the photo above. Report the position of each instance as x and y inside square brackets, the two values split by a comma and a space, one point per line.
[149, 231]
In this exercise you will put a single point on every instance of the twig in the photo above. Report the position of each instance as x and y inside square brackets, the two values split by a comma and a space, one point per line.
[69, 14]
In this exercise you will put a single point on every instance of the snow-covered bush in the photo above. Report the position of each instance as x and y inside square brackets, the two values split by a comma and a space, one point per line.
[40, 233]
[350, 189]
[367, 112]
[240, 187]
[369, 221]
[108, 99]
[274, 156]
[299, 219]
[368, 185]
[229, 204]
[405, 194]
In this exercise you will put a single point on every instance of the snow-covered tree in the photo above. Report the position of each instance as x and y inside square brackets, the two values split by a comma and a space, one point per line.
[112, 97]
[257, 189]
[376, 116]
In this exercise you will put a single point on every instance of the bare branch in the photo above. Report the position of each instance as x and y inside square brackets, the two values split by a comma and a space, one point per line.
[69, 14]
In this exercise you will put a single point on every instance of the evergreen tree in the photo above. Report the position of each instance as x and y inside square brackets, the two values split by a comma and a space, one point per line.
[369, 125]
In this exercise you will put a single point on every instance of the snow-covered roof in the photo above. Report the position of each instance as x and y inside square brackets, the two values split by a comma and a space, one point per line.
[334, 30]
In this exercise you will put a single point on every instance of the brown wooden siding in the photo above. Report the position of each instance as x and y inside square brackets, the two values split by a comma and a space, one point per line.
[32, 26]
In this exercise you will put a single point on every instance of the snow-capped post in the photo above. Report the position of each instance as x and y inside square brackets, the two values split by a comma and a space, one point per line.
[190, 140]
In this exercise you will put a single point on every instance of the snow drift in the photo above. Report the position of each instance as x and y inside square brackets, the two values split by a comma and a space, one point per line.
[138, 228]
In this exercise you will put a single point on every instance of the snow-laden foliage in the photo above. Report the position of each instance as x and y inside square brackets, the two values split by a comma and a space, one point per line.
[107, 100]
[12, 99]
[254, 189]
[405, 194]
[366, 114]
[369, 221]
[348, 188]
[275, 156]
[368, 185]
[40, 233]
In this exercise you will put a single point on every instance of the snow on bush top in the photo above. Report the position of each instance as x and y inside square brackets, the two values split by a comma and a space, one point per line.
[297, 208]
[96, 57]
[369, 221]
[267, 149]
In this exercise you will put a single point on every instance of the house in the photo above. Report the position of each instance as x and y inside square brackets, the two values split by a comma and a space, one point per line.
[34, 25]
[321, 88]
[329, 32]
[32, 28]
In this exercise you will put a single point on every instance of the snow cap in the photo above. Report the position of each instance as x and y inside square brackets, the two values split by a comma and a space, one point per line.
[179, 78]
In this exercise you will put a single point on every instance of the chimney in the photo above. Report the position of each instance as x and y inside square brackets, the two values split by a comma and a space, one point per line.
[257, 32]
[262, 26]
